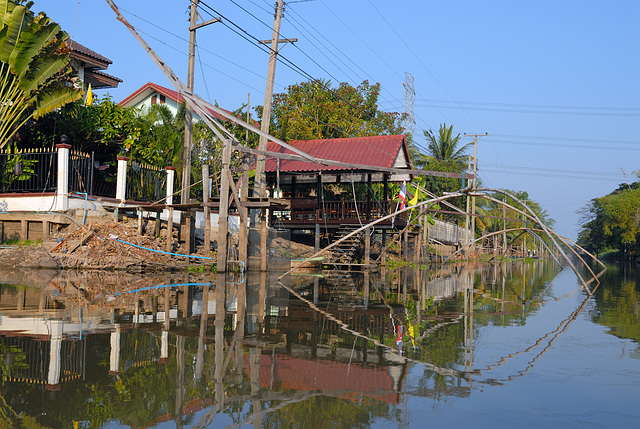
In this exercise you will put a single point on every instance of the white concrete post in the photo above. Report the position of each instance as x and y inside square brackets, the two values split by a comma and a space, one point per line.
[171, 177]
[53, 376]
[62, 190]
[114, 355]
[164, 344]
[121, 184]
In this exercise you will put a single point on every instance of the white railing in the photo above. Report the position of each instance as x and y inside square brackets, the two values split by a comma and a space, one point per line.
[449, 233]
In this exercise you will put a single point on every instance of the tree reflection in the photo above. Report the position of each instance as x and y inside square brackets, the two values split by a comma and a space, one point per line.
[248, 350]
[618, 306]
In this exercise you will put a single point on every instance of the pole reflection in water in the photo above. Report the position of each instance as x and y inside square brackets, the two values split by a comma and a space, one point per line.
[318, 347]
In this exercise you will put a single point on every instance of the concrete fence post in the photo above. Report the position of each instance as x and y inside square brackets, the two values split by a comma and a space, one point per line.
[62, 189]
[171, 177]
[121, 184]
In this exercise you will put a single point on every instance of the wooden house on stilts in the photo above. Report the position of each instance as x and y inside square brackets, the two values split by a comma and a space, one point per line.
[334, 199]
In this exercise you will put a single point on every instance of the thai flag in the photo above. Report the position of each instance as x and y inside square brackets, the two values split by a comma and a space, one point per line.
[403, 195]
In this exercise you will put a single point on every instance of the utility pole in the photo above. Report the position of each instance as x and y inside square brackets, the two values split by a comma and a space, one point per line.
[188, 118]
[259, 188]
[475, 170]
[504, 226]
[466, 218]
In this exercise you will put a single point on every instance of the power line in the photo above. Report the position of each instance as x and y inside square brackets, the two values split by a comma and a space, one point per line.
[571, 139]
[199, 47]
[255, 41]
[585, 172]
[558, 175]
[422, 63]
[570, 146]
[536, 106]
[534, 111]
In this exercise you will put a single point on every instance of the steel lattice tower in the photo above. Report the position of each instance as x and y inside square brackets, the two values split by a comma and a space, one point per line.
[409, 98]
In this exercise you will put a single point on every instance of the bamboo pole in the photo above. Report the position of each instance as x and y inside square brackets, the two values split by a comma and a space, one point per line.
[535, 218]
[371, 224]
[206, 209]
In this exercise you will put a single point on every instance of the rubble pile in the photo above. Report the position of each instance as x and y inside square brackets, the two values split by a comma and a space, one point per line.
[98, 247]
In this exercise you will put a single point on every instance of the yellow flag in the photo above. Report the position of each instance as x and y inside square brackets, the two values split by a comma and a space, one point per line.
[411, 334]
[413, 201]
[89, 101]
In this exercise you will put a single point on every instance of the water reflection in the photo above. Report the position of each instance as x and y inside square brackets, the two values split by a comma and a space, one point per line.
[618, 305]
[139, 351]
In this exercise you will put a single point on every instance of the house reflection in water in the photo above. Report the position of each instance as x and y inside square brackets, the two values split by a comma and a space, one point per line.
[254, 336]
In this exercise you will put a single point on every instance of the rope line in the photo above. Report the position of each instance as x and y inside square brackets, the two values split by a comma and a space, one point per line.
[161, 251]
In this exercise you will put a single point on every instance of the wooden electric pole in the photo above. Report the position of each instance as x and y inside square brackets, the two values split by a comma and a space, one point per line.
[188, 118]
[475, 171]
[260, 186]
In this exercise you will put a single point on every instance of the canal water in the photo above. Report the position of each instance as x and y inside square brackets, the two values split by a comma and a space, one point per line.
[474, 345]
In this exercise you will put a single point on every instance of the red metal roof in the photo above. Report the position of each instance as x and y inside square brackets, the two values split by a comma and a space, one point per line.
[376, 151]
[169, 93]
[288, 372]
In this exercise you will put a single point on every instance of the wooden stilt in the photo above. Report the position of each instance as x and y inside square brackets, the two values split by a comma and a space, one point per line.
[46, 230]
[157, 225]
[383, 256]
[418, 246]
[188, 232]
[367, 246]
[316, 247]
[244, 212]
[405, 244]
[263, 240]
[365, 291]
[170, 230]
[223, 210]
[207, 210]
[139, 212]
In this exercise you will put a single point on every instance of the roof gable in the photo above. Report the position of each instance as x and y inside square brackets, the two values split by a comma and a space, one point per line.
[149, 89]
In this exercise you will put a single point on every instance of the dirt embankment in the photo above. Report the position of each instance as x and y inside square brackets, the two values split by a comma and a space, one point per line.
[101, 247]
[118, 246]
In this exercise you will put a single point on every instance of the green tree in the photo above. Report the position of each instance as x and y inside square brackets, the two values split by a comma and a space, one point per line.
[444, 147]
[613, 221]
[492, 214]
[34, 69]
[315, 110]
[159, 136]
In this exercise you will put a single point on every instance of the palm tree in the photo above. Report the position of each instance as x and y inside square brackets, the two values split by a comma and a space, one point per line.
[444, 147]
[34, 67]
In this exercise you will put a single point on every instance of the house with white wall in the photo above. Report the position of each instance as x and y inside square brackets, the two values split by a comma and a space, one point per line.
[152, 93]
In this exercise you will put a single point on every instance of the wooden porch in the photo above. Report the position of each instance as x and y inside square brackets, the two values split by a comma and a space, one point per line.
[306, 212]
[352, 194]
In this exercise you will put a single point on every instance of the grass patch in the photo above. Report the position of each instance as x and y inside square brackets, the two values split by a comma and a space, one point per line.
[22, 243]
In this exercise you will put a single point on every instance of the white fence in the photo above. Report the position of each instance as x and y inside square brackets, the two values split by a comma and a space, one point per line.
[449, 233]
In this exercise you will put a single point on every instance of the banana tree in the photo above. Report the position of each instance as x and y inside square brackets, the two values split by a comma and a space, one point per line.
[34, 67]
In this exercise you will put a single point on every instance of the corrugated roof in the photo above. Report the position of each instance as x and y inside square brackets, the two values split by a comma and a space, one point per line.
[324, 376]
[101, 73]
[75, 46]
[376, 151]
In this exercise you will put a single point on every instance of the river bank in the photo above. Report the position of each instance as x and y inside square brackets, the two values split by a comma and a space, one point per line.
[118, 246]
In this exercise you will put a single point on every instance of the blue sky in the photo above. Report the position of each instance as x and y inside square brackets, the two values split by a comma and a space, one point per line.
[555, 84]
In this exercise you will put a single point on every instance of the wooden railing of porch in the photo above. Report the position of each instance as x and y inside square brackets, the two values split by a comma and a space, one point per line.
[309, 211]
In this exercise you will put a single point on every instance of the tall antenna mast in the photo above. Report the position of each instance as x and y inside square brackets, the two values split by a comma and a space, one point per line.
[409, 99]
